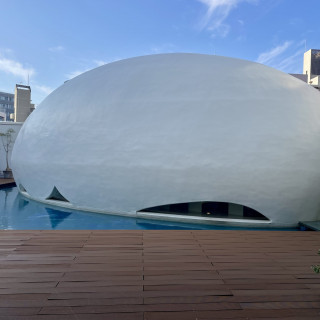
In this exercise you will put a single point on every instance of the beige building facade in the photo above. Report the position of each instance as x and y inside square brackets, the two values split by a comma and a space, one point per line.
[22, 103]
[311, 67]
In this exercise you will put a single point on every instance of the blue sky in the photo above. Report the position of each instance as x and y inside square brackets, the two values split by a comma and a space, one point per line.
[53, 41]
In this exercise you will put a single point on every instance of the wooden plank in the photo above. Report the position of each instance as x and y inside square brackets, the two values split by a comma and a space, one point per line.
[154, 274]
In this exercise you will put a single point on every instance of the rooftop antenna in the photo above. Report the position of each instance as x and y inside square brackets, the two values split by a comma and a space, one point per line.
[305, 45]
[28, 78]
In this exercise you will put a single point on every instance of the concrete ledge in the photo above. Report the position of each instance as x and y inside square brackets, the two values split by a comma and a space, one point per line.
[205, 220]
[228, 222]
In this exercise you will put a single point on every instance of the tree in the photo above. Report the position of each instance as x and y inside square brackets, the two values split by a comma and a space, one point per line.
[7, 141]
[316, 268]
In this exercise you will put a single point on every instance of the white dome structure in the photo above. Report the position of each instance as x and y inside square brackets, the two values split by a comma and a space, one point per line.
[199, 131]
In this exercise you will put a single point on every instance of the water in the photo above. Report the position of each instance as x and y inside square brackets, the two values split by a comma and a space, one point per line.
[20, 213]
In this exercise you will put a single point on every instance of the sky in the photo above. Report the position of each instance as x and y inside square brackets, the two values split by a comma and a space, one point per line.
[43, 43]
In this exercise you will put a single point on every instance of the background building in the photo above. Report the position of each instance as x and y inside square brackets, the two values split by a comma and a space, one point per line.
[302, 77]
[311, 67]
[3, 116]
[16, 107]
[22, 103]
[7, 105]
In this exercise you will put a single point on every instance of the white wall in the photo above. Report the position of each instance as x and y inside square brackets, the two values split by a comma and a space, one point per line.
[177, 128]
[4, 126]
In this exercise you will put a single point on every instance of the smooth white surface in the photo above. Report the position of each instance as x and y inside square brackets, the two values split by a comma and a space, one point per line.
[175, 128]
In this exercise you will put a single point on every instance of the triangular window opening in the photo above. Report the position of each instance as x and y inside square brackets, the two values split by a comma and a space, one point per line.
[22, 188]
[56, 195]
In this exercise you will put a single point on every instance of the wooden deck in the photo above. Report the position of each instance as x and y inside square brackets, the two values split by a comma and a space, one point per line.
[159, 275]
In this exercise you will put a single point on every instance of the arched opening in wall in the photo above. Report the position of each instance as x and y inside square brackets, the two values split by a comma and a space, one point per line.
[22, 188]
[214, 209]
[56, 195]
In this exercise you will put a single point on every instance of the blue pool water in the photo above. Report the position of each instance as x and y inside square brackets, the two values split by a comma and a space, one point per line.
[20, 213]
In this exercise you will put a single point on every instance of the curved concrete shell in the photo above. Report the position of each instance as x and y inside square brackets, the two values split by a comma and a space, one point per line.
[176, 128]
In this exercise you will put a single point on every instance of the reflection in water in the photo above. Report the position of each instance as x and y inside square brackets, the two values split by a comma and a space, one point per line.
[157, 225]
[22, 203]
[4, 195]
[56, 216]
[20, 213]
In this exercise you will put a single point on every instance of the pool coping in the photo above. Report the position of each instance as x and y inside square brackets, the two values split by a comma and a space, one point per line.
[200, 220]
[203, 220]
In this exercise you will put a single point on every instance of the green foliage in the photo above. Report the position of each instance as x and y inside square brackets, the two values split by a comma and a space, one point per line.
[316, 268]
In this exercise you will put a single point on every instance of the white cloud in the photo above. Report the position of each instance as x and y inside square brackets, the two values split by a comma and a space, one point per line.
[76, 73]
[44, 89]
[270, 55]
[21, 74]
[6, 51]
[93, 64]
[100, 63]
[217, 12]
[15, 68]
[56, 49]
[291, 61]
[164, 48]
[286, 57]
